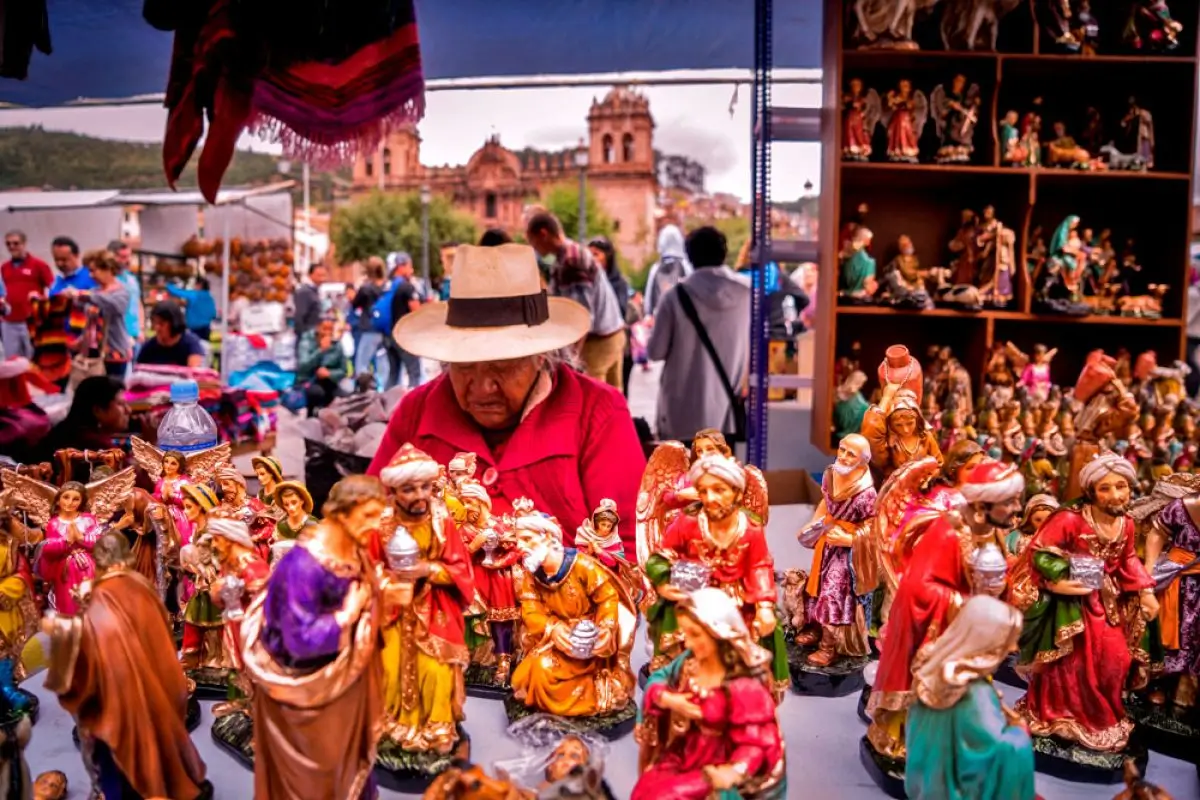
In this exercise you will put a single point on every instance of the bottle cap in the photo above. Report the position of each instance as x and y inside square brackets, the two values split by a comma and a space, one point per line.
[185, 392]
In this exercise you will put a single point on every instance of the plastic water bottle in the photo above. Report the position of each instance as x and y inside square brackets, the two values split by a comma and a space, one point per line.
[187, 427]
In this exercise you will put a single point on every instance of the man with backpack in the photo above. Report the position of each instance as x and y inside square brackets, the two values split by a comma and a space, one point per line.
[401, 297]
[671, 268]
[370, 337]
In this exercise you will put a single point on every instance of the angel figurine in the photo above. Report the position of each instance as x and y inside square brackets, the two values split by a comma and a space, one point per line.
[905, 116]
[1035, 376]
[172, 471]
[73, 516]
[19, 615]
[861, 112]
[955, 114]
[721, 543]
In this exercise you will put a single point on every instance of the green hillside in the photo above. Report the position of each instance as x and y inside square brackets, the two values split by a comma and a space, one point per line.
[33, 157]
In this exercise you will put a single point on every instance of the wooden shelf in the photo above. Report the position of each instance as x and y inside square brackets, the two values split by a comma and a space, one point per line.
[925, 201]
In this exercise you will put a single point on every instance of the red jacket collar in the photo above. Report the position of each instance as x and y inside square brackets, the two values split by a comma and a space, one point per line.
[551, 429]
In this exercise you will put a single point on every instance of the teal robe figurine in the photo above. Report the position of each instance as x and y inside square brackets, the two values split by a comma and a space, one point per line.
[962, 743]
[858, 269]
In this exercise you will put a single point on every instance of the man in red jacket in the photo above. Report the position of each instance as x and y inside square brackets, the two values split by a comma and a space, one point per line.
[22, 275]
[539, 428]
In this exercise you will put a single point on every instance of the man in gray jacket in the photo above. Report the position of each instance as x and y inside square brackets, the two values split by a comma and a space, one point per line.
[691, 394]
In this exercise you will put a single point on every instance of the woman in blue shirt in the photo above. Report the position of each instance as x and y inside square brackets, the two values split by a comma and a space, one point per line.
[199, 310]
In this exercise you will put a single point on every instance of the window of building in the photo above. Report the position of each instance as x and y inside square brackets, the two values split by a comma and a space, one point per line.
[609, 152]
[370, 167]
[387, 161]
[489, 202]
[627, 147]
[616, 226]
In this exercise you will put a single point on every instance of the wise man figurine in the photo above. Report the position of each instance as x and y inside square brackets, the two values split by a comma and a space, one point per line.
[959, 554]
[236, 504]
[577, 625]
[840, 531]
[424, 646]
[1108, 410]
[1086, 596]
[717, 544]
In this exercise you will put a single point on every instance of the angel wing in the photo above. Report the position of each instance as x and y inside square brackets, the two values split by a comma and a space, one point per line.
[667, 464]
[34, 497]
[106, 495]
[203, 465]
[891, 510]
[1015, 355]
[755, 498]
[872, 111]
[940, 108]
[920, 112]
[147, 457]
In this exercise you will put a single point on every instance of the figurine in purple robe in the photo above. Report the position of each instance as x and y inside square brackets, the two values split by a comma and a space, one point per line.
[310, 648]
[839, 535]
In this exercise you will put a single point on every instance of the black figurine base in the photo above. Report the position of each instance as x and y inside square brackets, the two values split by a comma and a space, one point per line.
[1166, 728]
[191, 719]
[33, 706]
[234, 733]
[863, 699]
[888, 773]
[211, 683]
[411, 772]
[1007, 673]
[841, 678]
[611, 726]
[1074, 762]
[481, 682]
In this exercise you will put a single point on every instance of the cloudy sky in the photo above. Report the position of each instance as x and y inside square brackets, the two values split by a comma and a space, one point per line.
[706, 123]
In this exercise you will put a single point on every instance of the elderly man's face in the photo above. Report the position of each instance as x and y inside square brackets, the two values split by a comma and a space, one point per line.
[494, 393]
[1111, 494]
[718, 497]
[414, 498]
[848, 457]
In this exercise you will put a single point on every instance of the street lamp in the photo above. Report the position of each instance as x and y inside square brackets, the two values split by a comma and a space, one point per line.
[426, 196]
[581, 161]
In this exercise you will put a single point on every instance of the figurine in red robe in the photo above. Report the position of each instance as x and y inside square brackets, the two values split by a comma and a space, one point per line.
[236, 504]
[1086, 595]
[243, 575]
[960, 553]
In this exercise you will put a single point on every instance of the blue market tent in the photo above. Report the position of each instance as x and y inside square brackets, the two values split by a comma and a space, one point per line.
[103, 49]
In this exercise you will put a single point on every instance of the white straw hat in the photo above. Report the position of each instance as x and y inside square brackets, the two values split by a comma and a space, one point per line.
[497, 310]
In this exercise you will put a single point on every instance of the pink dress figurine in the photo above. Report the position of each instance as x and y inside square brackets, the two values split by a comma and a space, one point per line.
[598, 536]
[66, 555]
[1036, 375]
[169, 491]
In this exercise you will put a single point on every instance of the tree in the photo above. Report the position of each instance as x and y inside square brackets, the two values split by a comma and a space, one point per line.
[562, 200]
[380, 223]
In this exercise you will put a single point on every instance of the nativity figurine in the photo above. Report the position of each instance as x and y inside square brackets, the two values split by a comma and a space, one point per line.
[424, 637]
[860, 114]
[963, 27]
[598, 537]
[903, 281]
[203, 652]
[73, 517]
[1037, 511]
[1150, 27]
[577, 626]
[959, 554]
[114, 669]
[905, 113]
[493, 556]
[269, 472]
[1085, 595]
[310, 650]
[721, 542]
[1108, 409]
[236, 504]
[840, 537]
[243, 575]
[955, 112]
[19, 609]
[293, 499]
[885, 24]
[857, 281]
[707, 722]
[849, 406]
[1013, 152]
[897, 432]
[1064, 151]
[962, 740]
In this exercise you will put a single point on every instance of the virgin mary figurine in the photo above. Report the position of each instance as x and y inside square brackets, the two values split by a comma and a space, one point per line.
[1065, 247]
[962, 741]
[707, 727]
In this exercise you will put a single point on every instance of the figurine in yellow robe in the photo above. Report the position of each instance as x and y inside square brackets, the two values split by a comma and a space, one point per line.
[577, 625]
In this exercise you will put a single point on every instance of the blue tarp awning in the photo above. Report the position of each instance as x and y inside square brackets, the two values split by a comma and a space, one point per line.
[104, 49]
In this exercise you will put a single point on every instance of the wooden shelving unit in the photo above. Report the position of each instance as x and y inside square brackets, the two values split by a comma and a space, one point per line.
[924, 201]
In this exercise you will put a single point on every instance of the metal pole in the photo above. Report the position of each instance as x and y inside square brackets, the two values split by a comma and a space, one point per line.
[307, 222]
[582, 205]
[226, 276]
[425, 245]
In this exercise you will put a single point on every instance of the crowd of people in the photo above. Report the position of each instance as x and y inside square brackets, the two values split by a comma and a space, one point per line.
[693, 315]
